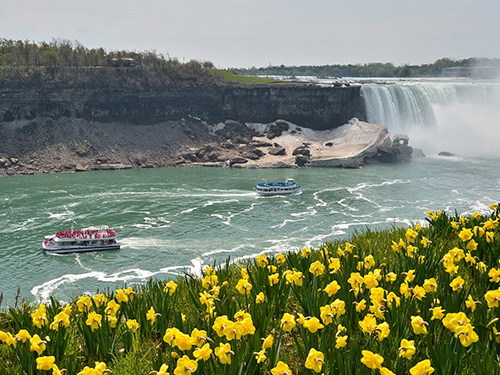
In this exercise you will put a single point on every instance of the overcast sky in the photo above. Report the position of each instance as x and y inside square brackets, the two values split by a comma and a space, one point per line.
[234, 33]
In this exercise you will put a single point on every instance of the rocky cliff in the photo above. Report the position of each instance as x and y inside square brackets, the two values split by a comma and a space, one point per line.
[79, 119]
[310, 106]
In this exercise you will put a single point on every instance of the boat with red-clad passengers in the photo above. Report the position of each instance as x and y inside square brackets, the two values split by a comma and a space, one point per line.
[79, 241]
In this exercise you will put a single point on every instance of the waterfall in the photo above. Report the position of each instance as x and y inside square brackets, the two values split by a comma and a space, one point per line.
[459, 117]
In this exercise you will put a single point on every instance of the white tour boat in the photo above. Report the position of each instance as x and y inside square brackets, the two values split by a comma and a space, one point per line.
[78, 241]
[278, 188]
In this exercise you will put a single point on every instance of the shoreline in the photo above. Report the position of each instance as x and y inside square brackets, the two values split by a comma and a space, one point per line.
[76, 145]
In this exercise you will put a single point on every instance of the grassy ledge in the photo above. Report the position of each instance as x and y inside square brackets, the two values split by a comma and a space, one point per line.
[416, 300]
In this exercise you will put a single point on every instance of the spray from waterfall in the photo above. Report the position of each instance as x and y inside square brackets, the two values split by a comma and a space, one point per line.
[461, 117]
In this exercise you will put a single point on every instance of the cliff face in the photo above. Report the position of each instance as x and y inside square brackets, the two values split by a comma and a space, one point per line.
[307, 105]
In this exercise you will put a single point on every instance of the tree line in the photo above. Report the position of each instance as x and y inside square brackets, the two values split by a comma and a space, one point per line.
[373, 69]
[66, 53]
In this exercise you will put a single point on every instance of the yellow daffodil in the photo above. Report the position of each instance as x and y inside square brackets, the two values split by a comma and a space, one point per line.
[407, 348]
[281, 369]
[183, 341]
[243, 286]
[170, 288]
[393, 297]
[185, 366]
[494, 275]
[60, 320]
[112, 307]
[288, 322]
[306, 252]
[262, 261]
[268, 342]
[37, 344]
[151, 315]
[94, 320]
[422, 368]
[23, 335]
[260, 356]
[465, 234]
[466, 335]
[100, 299]
[391, 277]
[411, 235]
[437, 313]
[340, 342]
[315, 360]
[368, 324]
[453, 321]
[419, 325]
[209, 281]
[224, 352]
[386, 371]
[317, 268]
[334, 264]
[361, 305]
[492, 297]
[356, 281]
[430, 285]
[326, 314]
[202, 353]
[457, 283]
[370, 280]
[84, 303]
[280, 258]
[163, 370]
[45, 363]
[121, 296]
[132, 324]
[313, 324]
[382, 331]
[372, 360]
[419, 292]
[274, 279]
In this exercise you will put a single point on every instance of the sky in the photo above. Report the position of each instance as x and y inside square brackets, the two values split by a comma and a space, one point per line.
[242, 34]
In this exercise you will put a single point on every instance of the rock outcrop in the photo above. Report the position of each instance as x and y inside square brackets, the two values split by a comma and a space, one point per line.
[75, 145]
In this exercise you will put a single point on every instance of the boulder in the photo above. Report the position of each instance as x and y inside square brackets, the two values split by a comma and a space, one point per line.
[302, 150]
[4, 162]
[277, 150]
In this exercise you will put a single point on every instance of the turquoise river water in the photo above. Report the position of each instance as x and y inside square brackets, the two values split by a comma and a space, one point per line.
[174, 220]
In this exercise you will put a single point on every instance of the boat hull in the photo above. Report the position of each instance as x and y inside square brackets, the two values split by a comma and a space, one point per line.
[79, 249]
[272, 193]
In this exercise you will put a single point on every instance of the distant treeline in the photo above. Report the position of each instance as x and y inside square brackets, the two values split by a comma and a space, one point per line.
[373, 70]
[66, 53]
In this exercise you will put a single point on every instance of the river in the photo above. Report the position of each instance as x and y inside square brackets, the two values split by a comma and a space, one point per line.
[174, 220]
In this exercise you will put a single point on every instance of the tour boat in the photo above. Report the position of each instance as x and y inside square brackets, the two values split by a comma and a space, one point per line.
[277, 188]
[79, 241]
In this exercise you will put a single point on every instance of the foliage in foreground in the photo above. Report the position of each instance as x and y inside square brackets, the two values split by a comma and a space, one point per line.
[413, 301]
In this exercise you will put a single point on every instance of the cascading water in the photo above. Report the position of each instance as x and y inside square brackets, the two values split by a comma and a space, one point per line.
[460, 117]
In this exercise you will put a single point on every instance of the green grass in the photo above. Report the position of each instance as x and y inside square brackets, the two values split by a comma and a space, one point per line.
[236, 77]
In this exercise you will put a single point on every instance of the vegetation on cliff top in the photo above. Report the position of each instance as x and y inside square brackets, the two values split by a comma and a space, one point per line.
[62, 63]
[376, 69]
[403, 301]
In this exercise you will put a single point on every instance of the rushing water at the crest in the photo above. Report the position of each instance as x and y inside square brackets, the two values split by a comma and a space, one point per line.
[172, 220]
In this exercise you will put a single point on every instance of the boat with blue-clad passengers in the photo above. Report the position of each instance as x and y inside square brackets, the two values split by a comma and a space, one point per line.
[288, 187]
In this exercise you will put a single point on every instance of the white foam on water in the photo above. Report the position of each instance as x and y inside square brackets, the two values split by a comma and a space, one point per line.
[61, 215]
[284, 223]
[196, 268]
[221, 251]
[188, 210]
[43, 291]
[211, 203]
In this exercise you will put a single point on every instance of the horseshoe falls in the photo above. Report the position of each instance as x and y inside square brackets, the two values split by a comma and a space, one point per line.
[461, 117]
